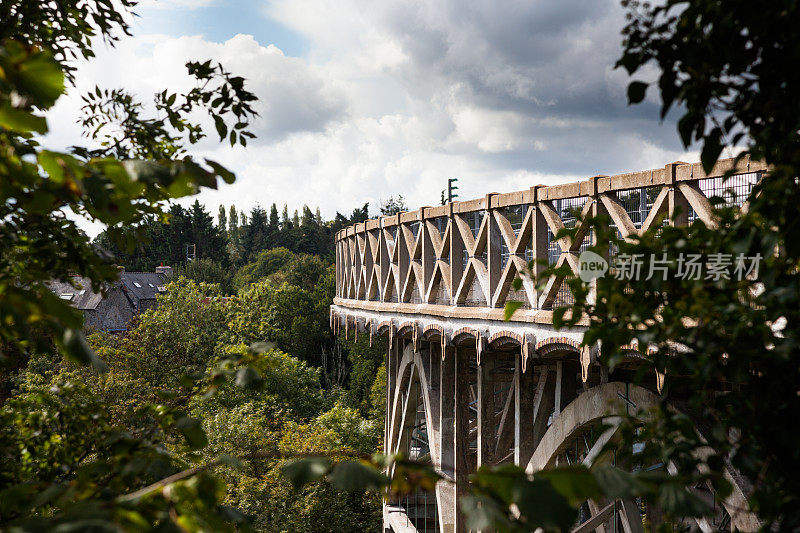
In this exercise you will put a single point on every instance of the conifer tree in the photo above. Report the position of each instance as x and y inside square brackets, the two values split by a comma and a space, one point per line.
[222, 221]
[255, 235]
[285, 222]
[274, 221]
[208, 239]
[233, 226]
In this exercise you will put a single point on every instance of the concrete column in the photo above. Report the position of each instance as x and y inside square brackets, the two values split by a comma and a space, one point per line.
[676, 202]
[569, 383]
[493, 248]
[393, 355]
[462, 358]
[391, 380]
[559, 381]
[435, 367]
[445, 490]
[543, 402]
[456, 256]
[524, 395]
[539, 237]
[428, 251]
[487, 423]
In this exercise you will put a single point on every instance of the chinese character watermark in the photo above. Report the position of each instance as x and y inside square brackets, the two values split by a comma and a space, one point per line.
[684, 266]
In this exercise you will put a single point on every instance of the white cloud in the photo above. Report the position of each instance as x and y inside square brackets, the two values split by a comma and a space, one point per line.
[397, 96]
[173, 4]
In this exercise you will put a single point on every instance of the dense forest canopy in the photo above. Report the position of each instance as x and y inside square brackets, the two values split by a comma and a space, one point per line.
[233, 240]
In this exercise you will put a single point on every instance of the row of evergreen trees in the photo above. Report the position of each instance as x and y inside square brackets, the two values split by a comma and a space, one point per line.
[234, 239]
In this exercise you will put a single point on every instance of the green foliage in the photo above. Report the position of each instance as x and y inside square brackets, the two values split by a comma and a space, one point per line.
[40, 185]
[265, 264]
[260, 427]
[352, 431]
[722, 67]
[65, 464]
[207, 271]
[285, 381]
[116, 451]
[78, 25]
[365, 362]
[179, 336]
[306, 271]
[377, 394]
[269, 312]
[113, 118]
[393, 205]
[163, 242]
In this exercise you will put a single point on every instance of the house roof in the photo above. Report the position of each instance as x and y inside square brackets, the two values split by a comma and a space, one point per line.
[136, 285]
[80, 296]
[142, 285]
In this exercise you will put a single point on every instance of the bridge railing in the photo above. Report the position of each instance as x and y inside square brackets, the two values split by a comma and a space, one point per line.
[459, 260]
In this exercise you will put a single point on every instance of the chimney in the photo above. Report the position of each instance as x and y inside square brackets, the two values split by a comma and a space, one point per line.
[166, 270]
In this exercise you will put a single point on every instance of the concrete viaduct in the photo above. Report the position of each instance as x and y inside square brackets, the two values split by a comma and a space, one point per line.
[466, 388]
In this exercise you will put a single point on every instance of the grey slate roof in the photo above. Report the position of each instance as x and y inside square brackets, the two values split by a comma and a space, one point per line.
[133, 293]
[139, 286]
[82, 297]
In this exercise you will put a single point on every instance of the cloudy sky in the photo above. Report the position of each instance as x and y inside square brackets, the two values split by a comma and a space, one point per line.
[360, 100]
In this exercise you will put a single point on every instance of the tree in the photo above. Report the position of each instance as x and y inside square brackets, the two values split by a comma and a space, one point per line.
[255, 235]
[286, 382]
[107, 191]
[274, 227]
[65, 465]
[365, 362]
[209, 239]
[266, 263]
[222, 221]
[55, 442]
[70, 39]
[180, 335]
[305, 271]
[267, 311]
[285, 222]
[164, 242]
[360, 214]
[233, 226]
[393, 205]
[208, 271]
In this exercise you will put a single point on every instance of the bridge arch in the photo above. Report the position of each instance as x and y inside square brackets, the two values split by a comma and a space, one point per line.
[411, 372]
[464, 335]
[602, 405]
[505, 339]
[557, 346]
[416, 439]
